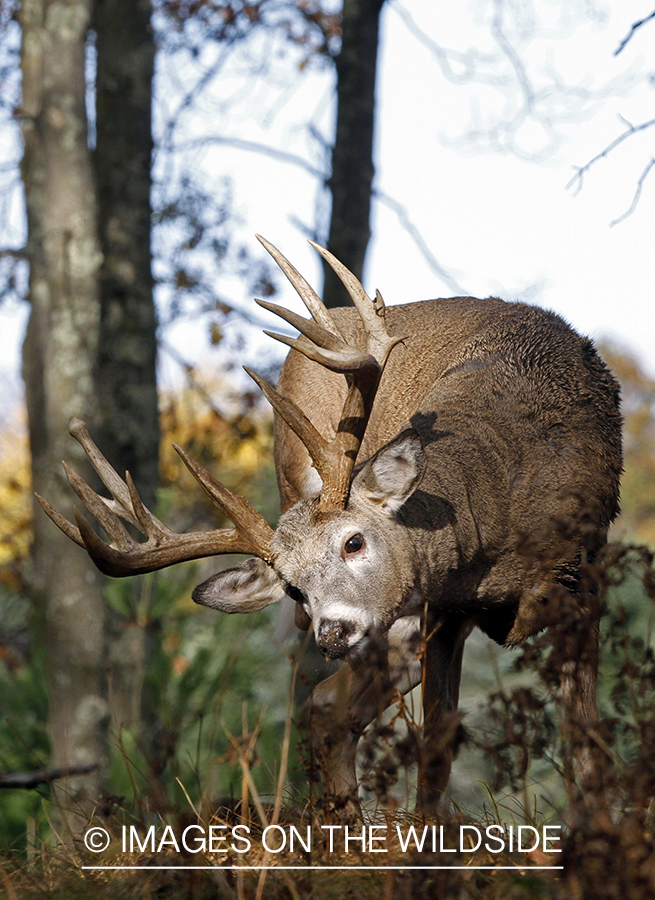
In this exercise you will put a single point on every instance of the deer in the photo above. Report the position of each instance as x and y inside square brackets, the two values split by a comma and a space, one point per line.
[442, 465]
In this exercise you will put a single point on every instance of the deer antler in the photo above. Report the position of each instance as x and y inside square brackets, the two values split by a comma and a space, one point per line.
[321, 342]
[163, 547]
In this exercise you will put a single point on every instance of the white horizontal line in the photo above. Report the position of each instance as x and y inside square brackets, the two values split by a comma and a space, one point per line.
[330, 868]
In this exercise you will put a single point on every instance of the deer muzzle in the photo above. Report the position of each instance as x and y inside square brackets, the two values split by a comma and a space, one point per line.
[334, 637]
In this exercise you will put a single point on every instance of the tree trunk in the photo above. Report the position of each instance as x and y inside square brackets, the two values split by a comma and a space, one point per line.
[127, 379]
[58, 367]
[129, 422]
[352, 154]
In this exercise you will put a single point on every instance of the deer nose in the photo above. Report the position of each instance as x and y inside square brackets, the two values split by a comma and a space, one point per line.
[333, 637]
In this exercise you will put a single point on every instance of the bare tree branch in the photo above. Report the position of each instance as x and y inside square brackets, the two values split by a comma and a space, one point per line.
[581, 171]
[415, 234]
[13, 253]
[457, 67]
[509, 51]
[635, 199]
[537, 102]
[29, 780]
[252, 147]
[632, 31]
[189, 96]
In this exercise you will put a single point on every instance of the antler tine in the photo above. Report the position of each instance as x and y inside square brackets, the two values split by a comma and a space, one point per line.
[99, 508]
[333, 460]
[126, 502]
[321, 346]
[107, 474]
[348, 360]
[372, 312]
[307, 294]
[162, 547]
[316, 445]
[311, 329]
[61, 521]
[147, 523]
[252, 529]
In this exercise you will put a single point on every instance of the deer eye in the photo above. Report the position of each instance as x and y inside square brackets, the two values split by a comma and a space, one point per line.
[354, 544]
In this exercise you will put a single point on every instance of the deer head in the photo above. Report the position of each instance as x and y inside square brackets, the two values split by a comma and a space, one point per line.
[341, 555]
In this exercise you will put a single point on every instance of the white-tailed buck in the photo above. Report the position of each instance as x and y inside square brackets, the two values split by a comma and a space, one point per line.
[442, 465]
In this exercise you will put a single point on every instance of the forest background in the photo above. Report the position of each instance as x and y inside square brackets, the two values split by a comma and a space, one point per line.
[143, 145]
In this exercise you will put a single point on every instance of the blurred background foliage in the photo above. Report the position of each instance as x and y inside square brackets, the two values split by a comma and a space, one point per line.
[637, 521]
[15, 502]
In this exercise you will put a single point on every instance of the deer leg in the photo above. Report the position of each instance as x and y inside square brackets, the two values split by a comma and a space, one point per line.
[578, 679]
[443, 667]
[342, 706]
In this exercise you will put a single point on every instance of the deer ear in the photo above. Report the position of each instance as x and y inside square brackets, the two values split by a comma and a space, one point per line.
[391, 476]
[250, 586]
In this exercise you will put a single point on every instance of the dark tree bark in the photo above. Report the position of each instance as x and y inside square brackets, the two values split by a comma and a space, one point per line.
[58, 367]
[352, 154]
[129, 422]
[127, 381]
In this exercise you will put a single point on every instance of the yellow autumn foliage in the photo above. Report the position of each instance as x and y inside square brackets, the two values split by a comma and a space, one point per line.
[224, 431]
[15, 496]
[637, 520]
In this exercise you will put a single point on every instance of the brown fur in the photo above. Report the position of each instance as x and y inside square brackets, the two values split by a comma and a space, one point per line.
[520, 422]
